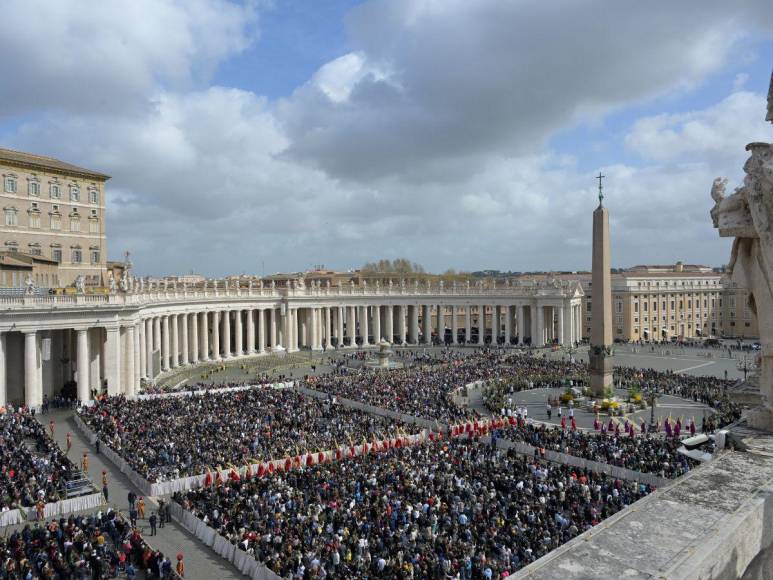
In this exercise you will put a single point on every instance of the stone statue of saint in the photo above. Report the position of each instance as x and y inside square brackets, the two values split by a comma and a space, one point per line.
[80, 284]
[29, 286]
[111, 285]
[747, 215]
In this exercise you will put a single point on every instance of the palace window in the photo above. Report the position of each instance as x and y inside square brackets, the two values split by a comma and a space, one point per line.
[93, 195]
[56, 254]
[34, 250]
[11, 217]
[35, 219]
[75, 224]
[93, 226]
[77, 256]
[56, 222]
[10, 184]
[95, 256]
[55, 191]
[33, 188]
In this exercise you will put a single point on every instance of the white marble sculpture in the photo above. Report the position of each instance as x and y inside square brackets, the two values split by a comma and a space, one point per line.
[29, 286]
[747, 215]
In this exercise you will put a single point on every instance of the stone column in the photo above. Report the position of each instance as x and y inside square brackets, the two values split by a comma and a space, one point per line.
[496, 324]
[564, 337]
[3, 371]
[137, 350]
[413, 313]
[328, 327]
[364, 327]
[165, 343]
[175, 352]
[113, 360]
[216, 335]
[389, 323]
[540, 325]
[31, 372]
[376, 310]
[129, 360]
[441, 324]
[227, 353]
[83, 365]
[184, 350]
[142, 348]
[481, 324]
[521, 324]
[272, 327]
[316, 329]
[454, 325]
[467, 323]
[238, 334]
[194, 339]
[157, 336]
[227, 334]
[294, 329]
[148, 348]
[339, 324]
[351, 326]
[261, 345]
[402, 323]
[426, 324]
[250, 331]
[508, 327]
[204, 336]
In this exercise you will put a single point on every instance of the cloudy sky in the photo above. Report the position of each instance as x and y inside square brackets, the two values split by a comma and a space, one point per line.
[263, 136]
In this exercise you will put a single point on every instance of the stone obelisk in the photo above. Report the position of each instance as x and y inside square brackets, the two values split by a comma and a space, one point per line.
[601, 303]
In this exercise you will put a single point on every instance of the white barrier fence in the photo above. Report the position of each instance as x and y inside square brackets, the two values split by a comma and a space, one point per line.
[245, 562]
[52, 509]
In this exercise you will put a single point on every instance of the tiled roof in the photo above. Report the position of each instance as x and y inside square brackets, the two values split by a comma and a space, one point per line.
[39, 161]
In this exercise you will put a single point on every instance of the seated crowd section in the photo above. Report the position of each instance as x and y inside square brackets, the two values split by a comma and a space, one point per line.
[80, 547]
[442, 508]
[169, 438]
[32, 466]
[430, 511]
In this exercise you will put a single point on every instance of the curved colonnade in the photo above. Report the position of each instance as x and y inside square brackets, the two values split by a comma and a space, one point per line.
[110, 342]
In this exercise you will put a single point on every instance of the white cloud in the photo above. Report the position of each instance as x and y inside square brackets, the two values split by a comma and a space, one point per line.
[427, 140]
[718, 132]
[98, 56]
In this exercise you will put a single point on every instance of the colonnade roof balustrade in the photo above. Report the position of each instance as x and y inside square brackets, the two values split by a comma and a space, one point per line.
[138, 296]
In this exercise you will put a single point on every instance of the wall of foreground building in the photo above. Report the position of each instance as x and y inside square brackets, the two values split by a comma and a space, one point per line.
[714, 523]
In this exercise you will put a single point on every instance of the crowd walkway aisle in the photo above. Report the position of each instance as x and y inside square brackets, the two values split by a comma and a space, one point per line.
[200, 560]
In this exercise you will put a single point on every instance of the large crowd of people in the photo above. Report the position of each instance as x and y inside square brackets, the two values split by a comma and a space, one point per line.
[32, 466]
[173, 437]
[422, 390]
[448, 509]
[646, 453]
[80, 547]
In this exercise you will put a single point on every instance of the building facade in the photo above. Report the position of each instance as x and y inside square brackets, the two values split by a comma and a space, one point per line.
[54, 210]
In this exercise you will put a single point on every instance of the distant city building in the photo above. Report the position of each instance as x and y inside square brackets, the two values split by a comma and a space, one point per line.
[661, 302]
[53, 210]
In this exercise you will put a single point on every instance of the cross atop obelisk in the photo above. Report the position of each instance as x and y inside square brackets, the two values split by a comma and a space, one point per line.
[601, 302]
[601, 189]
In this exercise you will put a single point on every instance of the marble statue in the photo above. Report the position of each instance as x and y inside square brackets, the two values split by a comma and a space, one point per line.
[747, 216]
[80, 284]
[111, 285]
[29, 286]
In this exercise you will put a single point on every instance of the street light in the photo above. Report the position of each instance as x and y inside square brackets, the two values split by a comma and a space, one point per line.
[652, 396]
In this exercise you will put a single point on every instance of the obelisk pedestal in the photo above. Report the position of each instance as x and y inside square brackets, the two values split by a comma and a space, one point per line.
[599, 357]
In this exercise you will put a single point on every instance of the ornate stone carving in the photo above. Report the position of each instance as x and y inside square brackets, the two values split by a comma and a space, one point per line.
[29, 286]
[80, 284]
[747, 215]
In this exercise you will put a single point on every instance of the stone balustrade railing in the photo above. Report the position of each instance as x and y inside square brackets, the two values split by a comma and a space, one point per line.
[160, 295]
